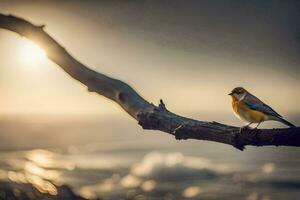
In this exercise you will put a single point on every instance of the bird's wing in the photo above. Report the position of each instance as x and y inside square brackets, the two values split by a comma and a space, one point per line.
[256, 104]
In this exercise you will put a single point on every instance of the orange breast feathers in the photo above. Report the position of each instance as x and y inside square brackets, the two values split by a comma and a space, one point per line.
[234, 104]
[247, 114]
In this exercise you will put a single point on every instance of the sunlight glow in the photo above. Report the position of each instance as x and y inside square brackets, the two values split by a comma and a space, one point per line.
[31, 54]
[40, 157]
[191, 192]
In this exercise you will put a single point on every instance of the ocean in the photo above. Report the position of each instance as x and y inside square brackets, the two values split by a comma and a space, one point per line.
[113, 158]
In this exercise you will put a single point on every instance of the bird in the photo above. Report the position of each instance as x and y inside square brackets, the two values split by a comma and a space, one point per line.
[249, 108]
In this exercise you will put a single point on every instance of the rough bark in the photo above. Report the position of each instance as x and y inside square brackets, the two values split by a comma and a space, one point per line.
[148, 115]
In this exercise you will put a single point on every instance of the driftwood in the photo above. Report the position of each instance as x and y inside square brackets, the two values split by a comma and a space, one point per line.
[148, 115]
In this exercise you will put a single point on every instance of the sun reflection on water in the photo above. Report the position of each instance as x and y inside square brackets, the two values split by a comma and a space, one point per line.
[41, 157]
[48, 159]
[42, 185]
[31, 168]
[39, 183]
[38, 169]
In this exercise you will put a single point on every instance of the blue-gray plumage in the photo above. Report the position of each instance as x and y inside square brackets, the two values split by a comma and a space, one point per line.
[256, 104]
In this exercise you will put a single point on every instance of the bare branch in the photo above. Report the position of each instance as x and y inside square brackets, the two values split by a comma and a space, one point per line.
[148, 115]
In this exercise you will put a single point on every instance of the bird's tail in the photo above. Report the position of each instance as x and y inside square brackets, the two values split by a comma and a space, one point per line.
[285, 122]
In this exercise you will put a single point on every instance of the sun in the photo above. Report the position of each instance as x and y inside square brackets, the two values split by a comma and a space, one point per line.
[31, 54]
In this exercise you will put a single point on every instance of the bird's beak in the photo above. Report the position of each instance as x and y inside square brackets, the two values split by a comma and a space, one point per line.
[230, 93]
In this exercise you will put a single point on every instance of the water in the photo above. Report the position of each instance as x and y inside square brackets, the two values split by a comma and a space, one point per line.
[124, 162]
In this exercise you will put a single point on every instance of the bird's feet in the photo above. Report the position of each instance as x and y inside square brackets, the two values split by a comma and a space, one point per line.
[255, 131]
[244, 128]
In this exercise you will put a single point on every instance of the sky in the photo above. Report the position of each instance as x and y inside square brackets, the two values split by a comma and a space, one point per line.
[189, 53]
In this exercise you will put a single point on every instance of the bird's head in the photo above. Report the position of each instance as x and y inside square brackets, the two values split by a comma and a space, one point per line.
[239, 93]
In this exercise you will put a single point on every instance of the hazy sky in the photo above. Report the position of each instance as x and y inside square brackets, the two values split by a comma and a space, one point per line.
[190, 53]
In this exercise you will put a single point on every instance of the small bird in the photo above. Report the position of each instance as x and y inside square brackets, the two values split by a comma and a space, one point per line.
[250, 109]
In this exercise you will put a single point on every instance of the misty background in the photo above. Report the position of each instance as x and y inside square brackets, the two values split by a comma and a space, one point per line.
[190, 53]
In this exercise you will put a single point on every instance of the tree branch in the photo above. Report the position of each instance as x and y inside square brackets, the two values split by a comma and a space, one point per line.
[148, 115]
